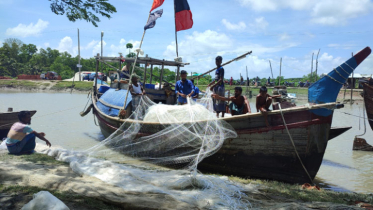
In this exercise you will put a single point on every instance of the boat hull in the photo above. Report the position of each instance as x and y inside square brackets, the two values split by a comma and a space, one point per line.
[7, 119]
[260, 151]
[368, 100]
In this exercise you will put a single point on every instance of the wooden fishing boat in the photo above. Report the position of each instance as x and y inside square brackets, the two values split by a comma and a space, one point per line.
[267, 152]
[368, 100]
[7, 119]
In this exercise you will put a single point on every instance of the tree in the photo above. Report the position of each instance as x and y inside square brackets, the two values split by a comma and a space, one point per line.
[83, 9]
[10, 41]
[131, 55]
[129, 46]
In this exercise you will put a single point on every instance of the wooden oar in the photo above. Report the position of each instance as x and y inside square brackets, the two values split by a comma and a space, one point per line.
[235, 59]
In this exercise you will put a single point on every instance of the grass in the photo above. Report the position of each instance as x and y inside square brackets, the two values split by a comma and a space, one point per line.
[34, 158]
[82, 86]
[18, 83]
[292, 191]
[66, 197]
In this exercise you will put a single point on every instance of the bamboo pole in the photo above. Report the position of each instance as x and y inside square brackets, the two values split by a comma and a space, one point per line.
[151, 74]
[146, 67]
[177, 47]
[235, 59]
[270, 65]
[161, 79]
[279, 79]
[317, 64]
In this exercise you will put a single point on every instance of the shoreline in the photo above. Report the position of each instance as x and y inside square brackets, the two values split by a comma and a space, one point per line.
[22, 176]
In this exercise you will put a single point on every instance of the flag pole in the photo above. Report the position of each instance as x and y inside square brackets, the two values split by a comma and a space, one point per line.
[177, 48]
[134, 64]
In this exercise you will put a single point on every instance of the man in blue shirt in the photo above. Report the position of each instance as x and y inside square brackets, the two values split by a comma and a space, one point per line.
[217, 86]
[184, 88]
[195, 95]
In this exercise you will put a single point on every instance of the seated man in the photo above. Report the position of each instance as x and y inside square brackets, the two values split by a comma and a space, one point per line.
[21, 138]
[136, 90]
[237, 107]
[125, 71]
[196, 91]
[184, 88]
[264, 101]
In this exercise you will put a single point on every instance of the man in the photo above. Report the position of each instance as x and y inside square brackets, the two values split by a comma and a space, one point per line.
[21, 138]
[125, 71]
[217, 86]
[136, 90]
[237, 107]
[264, 101]
[231, 82]
[184, 88]
[269, 81]
[195, 95]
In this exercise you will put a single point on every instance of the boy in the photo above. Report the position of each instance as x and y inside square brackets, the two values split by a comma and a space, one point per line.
[217, 86]
[136, 91]
[238, 102]
[264, 101]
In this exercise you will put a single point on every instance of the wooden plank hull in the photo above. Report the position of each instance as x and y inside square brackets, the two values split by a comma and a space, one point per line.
[368, 99]
[7, 119]
[260, 151]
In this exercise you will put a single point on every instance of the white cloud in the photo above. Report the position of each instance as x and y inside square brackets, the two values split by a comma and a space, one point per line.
[97, 48]
[258, 25]
[28, 30]
[284, 37]
[66, 45]
[90, 45]
[230, 26]
[326, 12]
[337, 12]
[46, 45]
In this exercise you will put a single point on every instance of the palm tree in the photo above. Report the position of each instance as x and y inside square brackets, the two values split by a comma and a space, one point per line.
[129, 46]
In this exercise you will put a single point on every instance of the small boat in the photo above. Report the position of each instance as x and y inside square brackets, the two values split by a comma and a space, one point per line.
[368, 100]
[260, 151]
[7, 119]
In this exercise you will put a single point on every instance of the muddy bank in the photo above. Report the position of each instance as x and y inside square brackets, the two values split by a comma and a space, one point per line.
[22, 176]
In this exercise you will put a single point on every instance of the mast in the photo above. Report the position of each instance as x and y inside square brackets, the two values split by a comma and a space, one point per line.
[177, 48]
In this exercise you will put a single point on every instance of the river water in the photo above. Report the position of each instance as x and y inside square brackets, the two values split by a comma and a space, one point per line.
[58, 116]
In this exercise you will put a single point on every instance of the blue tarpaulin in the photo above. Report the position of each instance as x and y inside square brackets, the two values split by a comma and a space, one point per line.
[327, 88]
[115, 98]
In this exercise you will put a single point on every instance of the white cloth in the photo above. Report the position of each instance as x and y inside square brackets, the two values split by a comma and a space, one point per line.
[44, 200]
[137, 89]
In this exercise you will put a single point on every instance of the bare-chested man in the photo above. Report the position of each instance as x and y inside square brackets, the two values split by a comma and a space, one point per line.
[238, 101]
[264, 101]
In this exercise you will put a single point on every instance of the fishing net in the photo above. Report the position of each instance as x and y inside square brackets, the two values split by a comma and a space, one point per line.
[155, 140]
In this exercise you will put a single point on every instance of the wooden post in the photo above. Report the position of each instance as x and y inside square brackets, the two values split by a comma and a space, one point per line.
[178, 74]
[352, 82]
[146, 67]
[151, 74]
[317, 63]
[270, 65]
[160, 80]
[311, 66]
[279, 79]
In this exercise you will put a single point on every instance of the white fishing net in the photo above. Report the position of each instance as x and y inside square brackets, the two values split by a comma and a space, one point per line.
[154, 141]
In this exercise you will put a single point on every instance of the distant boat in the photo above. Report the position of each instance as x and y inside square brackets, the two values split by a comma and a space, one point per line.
[7, 119]
[260, 151]
[368, 100]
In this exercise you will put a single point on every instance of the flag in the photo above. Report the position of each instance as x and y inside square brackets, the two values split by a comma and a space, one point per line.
[153, 17]
[183, 15]
[156, 4]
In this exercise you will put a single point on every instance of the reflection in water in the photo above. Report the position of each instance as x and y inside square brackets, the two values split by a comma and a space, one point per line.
[341, 170]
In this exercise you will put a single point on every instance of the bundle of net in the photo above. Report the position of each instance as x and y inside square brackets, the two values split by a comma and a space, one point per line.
[167, 137]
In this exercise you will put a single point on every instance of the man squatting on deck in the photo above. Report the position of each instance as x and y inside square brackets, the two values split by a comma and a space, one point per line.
[21, 138]
[217, 86]
[136, 90]
[238, 101]
[184, 88]
[263, 102]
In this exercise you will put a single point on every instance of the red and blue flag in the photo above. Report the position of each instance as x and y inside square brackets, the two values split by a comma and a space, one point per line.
[183, 15]
[156, 4]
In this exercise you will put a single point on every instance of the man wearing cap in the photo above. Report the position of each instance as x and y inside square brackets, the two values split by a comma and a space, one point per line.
[217, 86]
[136, 91]
[184, 88]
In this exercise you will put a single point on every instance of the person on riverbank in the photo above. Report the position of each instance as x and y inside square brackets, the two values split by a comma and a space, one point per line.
[184, 88]
[237, 107]
[217, 86]
[21, 138]
[195, 95]
[136, 90]
[263, 102]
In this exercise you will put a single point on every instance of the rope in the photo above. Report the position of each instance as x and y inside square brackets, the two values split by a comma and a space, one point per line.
[365, 125]
[340, 74]
[344, 70]
[335, 80]
[356, 116]
[296, 152]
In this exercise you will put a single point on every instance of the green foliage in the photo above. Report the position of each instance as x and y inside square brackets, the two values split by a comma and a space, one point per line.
[83, 9]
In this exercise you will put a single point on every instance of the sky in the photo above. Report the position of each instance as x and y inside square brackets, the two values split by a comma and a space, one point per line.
[272, 29]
